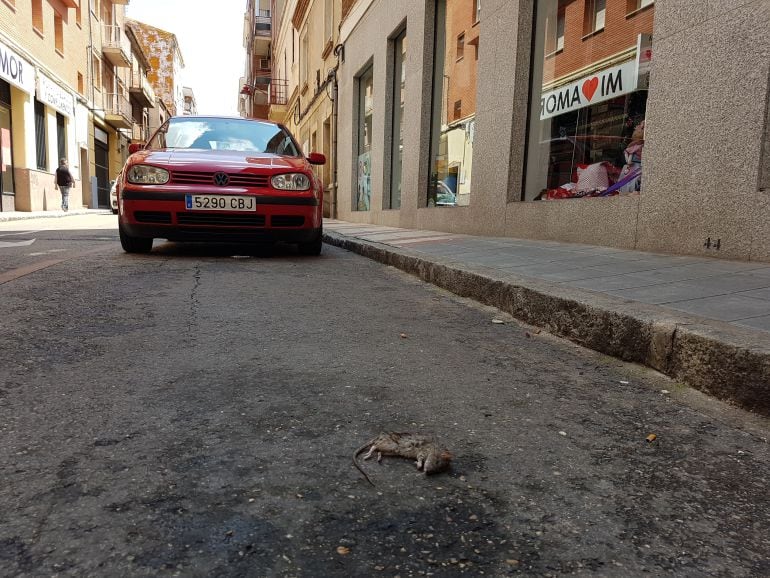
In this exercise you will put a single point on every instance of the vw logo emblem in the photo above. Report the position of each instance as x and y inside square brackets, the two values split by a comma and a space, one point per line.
[221, 179]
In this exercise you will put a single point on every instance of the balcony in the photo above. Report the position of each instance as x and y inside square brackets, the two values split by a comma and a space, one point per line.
[115, 46]
[277, 91]
[140, 133]
[117, 110]
[263, 32]
[141, 90]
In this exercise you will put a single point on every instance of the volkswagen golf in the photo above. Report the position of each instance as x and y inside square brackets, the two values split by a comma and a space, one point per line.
[220, 179]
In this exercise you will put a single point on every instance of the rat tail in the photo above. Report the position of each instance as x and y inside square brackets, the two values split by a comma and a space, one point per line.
[355, 462]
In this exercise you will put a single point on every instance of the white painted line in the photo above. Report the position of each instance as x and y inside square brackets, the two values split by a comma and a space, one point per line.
[8, 244]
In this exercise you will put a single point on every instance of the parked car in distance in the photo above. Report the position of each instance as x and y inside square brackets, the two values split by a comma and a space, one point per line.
[114, 197]
[220, 179]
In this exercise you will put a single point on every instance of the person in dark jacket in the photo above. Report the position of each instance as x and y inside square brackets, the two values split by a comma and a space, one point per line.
[64, 181]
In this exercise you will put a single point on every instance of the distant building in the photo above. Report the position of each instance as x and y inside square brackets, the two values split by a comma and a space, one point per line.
[166, 64]
[257, 88]
[190, 106]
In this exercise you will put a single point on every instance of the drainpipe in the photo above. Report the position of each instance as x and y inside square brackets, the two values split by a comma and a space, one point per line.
[335, 110]
[339, 52]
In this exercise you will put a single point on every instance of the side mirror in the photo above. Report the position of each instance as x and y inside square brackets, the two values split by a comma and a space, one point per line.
[134, 147]
[316, 159]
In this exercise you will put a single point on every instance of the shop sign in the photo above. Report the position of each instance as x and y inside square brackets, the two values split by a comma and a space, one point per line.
[16, 70]
[55, 96]
[603, 85]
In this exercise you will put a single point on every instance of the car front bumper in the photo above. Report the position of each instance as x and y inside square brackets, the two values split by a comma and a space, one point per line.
[295, 219]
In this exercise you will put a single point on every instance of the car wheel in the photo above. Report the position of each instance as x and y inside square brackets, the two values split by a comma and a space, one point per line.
[312, 248]
[134, 244]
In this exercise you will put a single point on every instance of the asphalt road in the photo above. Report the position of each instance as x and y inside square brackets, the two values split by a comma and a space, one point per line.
[194, 412]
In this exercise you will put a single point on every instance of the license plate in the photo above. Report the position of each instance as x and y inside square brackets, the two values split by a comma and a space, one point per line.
[219, 203]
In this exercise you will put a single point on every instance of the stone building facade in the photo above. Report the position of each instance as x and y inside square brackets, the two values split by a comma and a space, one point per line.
[67, 90]
[640, 124]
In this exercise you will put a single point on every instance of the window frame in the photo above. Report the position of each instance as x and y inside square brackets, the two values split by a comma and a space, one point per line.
[41, 136]
[398, 101]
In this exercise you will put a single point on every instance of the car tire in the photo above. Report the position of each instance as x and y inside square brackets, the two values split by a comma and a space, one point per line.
[311, 248]
[134, 244]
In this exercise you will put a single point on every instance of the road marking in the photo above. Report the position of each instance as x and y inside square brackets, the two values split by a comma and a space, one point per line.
[47, 252]
[21, 233]
[14, 274]
[8, 244]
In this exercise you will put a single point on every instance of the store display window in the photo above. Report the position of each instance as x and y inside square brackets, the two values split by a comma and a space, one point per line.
[590, 75]
[453, 104]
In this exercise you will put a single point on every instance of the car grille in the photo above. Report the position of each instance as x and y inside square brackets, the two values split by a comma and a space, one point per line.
[152, 217]
[249, 220]
[287, 220]
[236, 180]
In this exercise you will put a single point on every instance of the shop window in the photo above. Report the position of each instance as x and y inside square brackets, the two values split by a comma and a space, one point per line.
[41, 143]
[587, 106]
[397, 122]
[452, 135]
[37, 15]
[365, 114]
[7, 185]
[58, 33]
[595, 12]
[460, 46]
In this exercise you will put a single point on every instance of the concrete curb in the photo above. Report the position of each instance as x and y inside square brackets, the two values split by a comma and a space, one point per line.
[23, 215]
[717, 358]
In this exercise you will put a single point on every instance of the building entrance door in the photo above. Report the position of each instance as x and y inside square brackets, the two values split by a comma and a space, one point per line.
[102, 173]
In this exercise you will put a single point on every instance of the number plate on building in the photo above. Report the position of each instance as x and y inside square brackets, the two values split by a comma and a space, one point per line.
[219, 203]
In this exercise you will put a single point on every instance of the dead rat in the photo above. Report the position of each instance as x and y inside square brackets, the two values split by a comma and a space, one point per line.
[429, 456]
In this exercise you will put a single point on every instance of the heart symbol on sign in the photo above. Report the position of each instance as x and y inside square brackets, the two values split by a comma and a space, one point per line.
[590, 86]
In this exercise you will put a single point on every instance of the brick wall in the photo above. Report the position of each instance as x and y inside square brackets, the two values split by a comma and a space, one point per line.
[620, 32]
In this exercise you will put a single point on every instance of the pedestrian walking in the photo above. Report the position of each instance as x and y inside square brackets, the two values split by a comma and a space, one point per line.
[64, 181]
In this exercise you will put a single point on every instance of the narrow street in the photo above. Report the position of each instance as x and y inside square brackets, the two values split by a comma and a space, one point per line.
[194, 412]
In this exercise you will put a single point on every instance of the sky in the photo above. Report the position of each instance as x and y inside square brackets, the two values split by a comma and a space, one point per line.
[210, 36]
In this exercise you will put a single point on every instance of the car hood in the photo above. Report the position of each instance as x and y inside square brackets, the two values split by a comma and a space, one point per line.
[198, 160]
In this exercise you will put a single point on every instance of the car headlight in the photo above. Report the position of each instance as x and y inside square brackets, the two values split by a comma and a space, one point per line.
[291, 182]
[147, 175]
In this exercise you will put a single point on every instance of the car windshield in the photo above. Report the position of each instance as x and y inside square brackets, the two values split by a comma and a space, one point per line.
[229, 134]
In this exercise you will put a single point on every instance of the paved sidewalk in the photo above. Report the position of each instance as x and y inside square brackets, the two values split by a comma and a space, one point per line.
[700, 320]
[20, 215]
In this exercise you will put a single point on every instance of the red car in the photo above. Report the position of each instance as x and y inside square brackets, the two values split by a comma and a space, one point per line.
[220, 179]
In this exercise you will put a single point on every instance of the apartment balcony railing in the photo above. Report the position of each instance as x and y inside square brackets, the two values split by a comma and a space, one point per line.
[115, 46]
[278, 91]
[117, 110]
[263, 24]
[141, 90]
